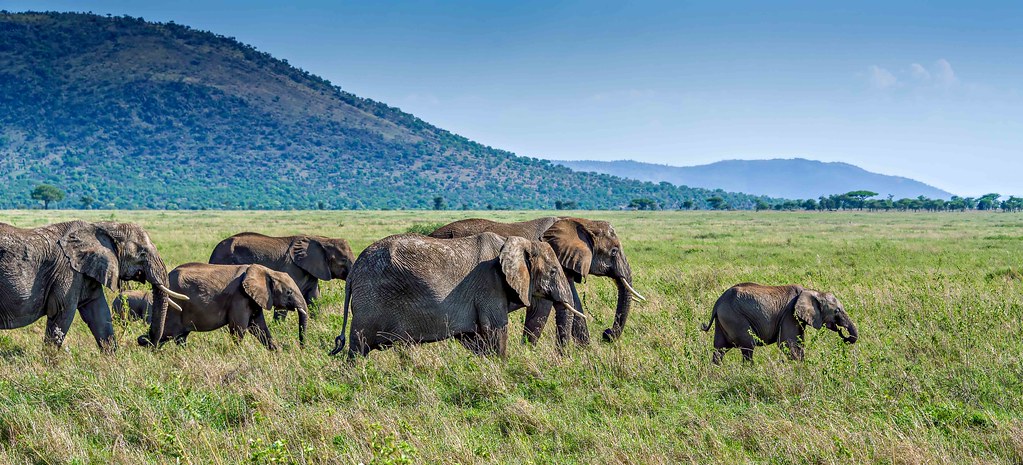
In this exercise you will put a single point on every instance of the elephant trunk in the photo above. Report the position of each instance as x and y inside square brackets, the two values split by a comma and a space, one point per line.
[621, 310]
[156, 275]
[564, 320]
[853, 334]
[303, 318]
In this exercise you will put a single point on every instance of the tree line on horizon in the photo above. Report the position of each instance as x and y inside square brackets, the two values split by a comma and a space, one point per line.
[855, 200]
[864, 200]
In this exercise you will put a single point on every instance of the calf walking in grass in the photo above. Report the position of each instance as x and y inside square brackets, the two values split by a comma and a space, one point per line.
[750, 314]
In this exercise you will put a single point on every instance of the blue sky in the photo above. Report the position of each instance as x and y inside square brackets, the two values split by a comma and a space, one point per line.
[929, 90]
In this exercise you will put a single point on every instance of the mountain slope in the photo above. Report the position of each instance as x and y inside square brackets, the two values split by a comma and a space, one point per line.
[787, 178]
[144, 115]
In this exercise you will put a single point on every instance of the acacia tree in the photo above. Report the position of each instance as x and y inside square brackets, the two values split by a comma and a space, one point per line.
[1014, 204]
[988, 202]
[856, 198]
[643, 204]
[47, 193]
[717, 203]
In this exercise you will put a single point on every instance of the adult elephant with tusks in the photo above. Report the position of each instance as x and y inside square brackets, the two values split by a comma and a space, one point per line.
[307, 259]
[583, 247]
[55, 270]
[412, 288]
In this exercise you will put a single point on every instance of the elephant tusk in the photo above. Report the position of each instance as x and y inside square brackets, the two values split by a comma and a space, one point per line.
[174, 304]
[302, 312]
[633, 291]
[577, 312]
[172, 293]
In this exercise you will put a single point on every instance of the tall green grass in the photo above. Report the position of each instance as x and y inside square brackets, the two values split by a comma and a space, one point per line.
[936, 376]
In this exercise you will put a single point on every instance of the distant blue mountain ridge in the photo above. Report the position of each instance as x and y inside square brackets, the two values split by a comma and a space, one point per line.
[795, 178]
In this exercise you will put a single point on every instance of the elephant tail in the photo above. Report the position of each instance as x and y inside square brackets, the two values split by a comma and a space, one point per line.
[339, 341]
[713, 316]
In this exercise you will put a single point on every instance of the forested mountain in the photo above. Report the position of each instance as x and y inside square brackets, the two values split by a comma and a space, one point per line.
[136, 114]
[788, 178]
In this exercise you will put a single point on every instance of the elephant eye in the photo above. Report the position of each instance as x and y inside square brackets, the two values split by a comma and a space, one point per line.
[614, 252]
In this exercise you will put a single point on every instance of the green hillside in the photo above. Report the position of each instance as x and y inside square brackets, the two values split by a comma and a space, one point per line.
[161, 116]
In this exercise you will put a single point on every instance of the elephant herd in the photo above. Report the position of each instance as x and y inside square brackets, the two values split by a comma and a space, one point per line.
[461, 282]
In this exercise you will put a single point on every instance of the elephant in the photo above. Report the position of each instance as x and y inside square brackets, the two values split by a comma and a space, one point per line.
[54, 270]
[307, 259]
[417, 289]
[583, 247]
[233, 296]
[773, 314]
[136, 304]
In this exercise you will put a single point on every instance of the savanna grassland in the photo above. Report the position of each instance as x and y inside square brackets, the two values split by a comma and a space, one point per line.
[936, 376]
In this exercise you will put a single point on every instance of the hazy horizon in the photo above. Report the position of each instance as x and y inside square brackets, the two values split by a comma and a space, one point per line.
[926, 91]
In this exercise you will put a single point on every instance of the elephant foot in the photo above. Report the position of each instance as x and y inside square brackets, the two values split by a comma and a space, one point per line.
[529, 337]
[610, 335]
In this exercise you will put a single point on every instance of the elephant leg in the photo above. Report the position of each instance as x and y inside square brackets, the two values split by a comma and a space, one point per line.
[312, 294]
[495, 341]
[473, 342]
[721, 345]
[57, 327]
[493, 328]
[237, 334]
[258, 328]
[358, 345]
[580, 332]
[718, 355]
[237, 324]
[536, 318]
[795, 349]
[96, 314]
[743, 339]
[791, 336]
[747, 354]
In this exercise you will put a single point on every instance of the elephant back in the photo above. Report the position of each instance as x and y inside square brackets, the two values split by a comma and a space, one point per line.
[531, 230]
[251, 248]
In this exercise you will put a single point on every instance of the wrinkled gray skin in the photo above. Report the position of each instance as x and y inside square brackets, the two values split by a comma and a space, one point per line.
[582, 246]
[229, 295]
[774, 314]
[55, 270]
[307, 259]
[418, 289]
[136, 305]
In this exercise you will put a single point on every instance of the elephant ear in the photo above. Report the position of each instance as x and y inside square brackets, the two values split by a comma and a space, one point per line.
[256, 284]
[808, 309]
[573, 245]
[513, 265]
[91, 251]
[309, 254]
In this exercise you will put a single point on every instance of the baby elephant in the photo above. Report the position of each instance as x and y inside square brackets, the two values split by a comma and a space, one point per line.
[750, 314]
[417, 289]
[230, 295]
[135, 305]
